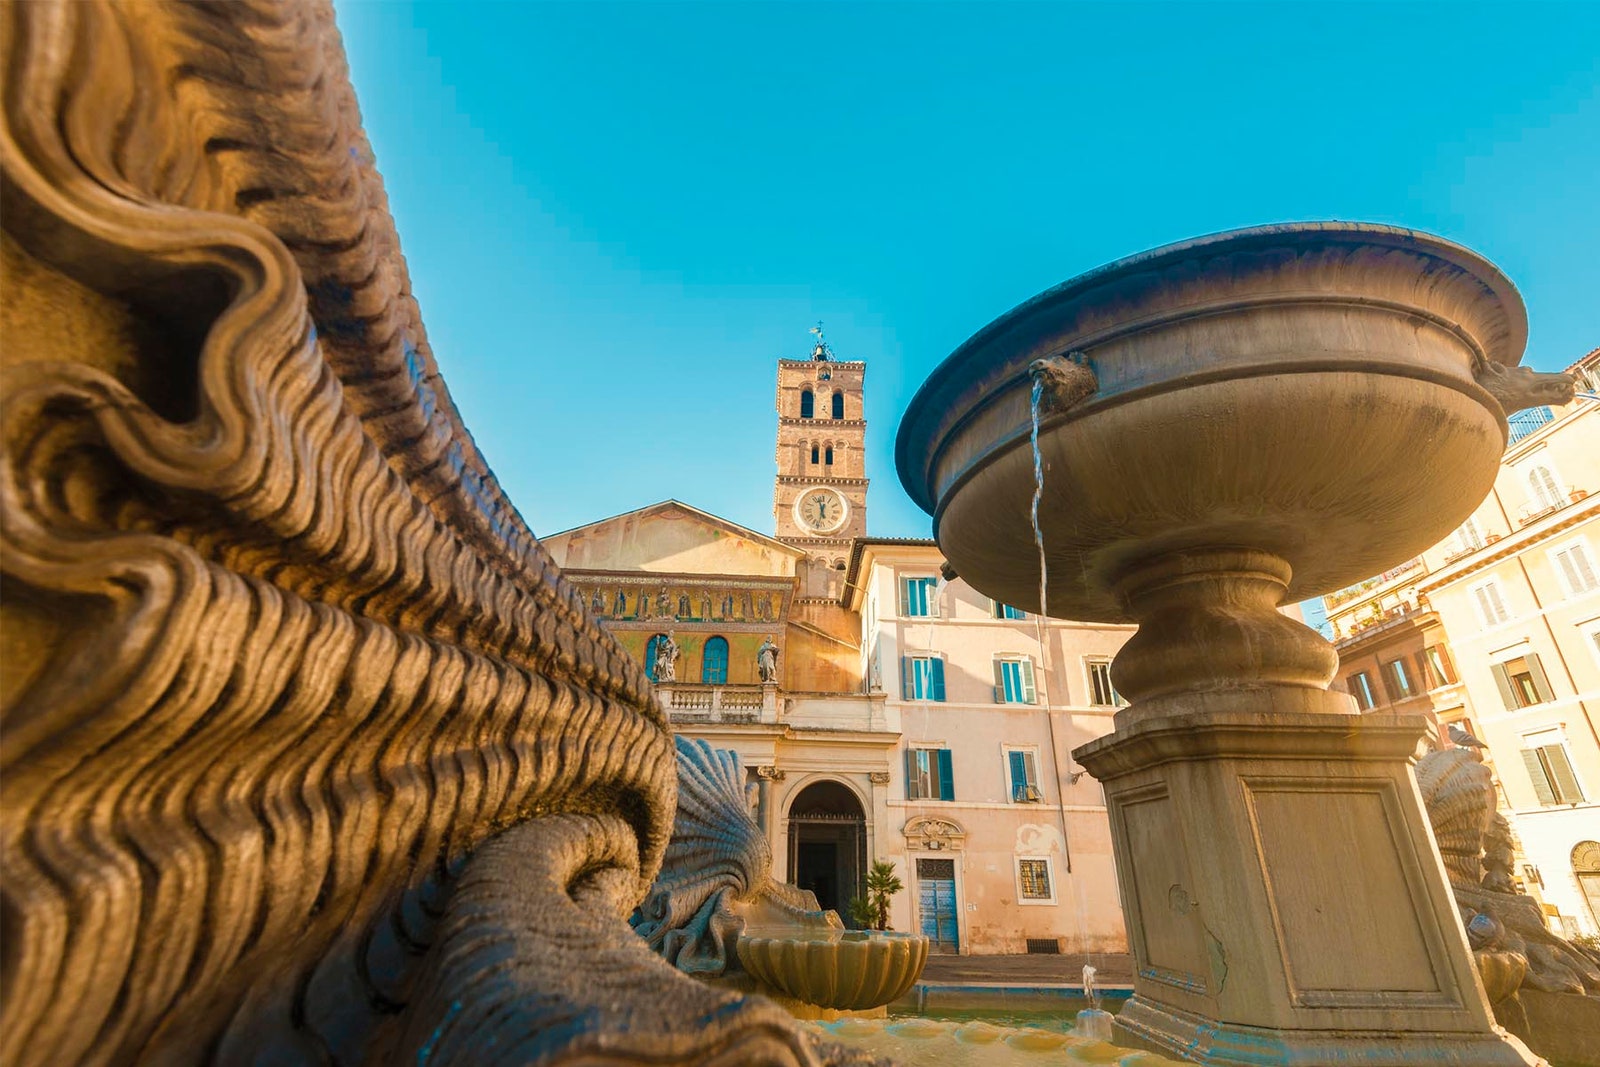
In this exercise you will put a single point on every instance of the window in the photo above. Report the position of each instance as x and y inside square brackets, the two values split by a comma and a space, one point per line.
[1576, 568]
[1399, 680]
[1471, 540]
[1006, 611]
[1491, 606]
[1543, 492]
[1586, 866]
[808, 404]
[838, 405]
[1022, 776]
[1522, 682]
[814, 452]
[928, 774]
[1439, 671]
[1361, 688]
[1550, 770]
[650, 656]
[1013, 681]
[829, 456]
[922, 677]
[1101, 692]
[1034, 884]
[918, 596]
[714, 664]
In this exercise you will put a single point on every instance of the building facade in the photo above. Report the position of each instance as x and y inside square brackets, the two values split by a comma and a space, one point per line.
[1003, 841]
[1497, 627]
[851, 752]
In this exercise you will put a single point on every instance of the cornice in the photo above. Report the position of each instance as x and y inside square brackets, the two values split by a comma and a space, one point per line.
[1513, 544]
[795, 479]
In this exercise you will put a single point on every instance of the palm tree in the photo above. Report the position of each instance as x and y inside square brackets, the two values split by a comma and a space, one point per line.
[882, 883]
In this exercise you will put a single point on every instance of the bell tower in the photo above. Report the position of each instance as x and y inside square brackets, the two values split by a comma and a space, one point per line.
[819, 500]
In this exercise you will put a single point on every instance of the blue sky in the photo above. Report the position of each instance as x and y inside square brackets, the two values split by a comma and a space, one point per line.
[617, 217]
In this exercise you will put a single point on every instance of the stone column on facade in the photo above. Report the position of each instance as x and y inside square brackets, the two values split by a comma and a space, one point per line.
[766, 814]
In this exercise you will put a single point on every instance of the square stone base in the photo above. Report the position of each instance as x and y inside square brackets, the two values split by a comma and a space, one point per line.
[1284, 900]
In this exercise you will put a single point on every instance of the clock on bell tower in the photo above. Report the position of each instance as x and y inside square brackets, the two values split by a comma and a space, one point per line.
[819, 501]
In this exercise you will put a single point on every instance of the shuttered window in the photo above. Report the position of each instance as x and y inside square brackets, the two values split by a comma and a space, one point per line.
[1399, 680]
[917, 596]
[1022, 774]
[1522, 682]
[1543, 490]
[922, 677]
[1577, 569]
[1491, 606]
[1013, 681]
[1551, 773]
[1006, 611]
[1439, 670]
[1361, 688]
[1101, 692]
[928, 774]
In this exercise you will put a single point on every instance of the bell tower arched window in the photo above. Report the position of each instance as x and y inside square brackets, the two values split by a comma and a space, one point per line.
[838, 405]
[714, 664]
[814, 451]
[808, 404]
[828, 456]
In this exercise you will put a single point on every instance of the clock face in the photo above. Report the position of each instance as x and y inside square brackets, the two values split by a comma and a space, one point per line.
[821, 510]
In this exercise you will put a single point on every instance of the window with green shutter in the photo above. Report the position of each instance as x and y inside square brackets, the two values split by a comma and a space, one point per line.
[1013, 681]
[918, 597]
[922, 677]
[1522, 682]
[928, 774]
[1551, 773]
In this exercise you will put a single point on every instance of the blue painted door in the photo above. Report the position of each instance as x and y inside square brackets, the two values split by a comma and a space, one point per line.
[936, 904]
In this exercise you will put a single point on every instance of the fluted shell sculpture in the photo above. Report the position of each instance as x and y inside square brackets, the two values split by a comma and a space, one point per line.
[1510, 942]
[717, 873]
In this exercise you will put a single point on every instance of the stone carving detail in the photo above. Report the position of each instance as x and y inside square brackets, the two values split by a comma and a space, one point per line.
[878, 777]
[932, 834]
[302, 725]
[1516, 388]
[1065, 381]
[771, 773]
[1505, 929]
[717, 872]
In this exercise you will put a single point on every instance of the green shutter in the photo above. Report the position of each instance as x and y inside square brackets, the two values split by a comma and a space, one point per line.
[947, 787]
[907, 687]
[937, 665]
[911, 774]
[1019, 775]
[1029, 694]
[999, 681]
[1555, 757]
[1502, 679]
[904, 585]
[1541, 781]
[1541, 683]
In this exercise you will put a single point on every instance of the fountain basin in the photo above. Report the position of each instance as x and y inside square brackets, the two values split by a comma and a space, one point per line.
[1306, 391]
[842, 970]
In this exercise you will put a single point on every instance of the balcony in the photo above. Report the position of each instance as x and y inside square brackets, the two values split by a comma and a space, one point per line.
[1374, 624]
[1522, 423]
[688, 703]
[1351, 592]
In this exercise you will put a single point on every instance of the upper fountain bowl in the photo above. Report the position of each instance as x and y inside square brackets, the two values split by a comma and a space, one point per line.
[1303, 390]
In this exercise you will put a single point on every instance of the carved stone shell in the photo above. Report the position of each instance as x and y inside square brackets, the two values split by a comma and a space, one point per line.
[849, 972]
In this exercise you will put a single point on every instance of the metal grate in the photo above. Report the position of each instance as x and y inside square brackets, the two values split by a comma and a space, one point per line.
[1044, 946]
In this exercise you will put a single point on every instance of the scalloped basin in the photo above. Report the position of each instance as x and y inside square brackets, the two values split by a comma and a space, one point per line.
[845, 970]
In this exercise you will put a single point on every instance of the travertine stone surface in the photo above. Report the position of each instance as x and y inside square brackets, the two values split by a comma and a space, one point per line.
[1276, 412]
[302, 730]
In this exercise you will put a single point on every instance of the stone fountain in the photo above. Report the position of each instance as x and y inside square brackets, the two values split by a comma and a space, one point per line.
[716, 912]
[1224, 426]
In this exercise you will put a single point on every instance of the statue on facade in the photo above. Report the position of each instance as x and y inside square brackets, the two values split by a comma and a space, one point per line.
[663, 604]
[665, 668]
[767, 660]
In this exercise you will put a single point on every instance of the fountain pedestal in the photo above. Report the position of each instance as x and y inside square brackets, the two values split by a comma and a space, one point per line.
[1283, 897]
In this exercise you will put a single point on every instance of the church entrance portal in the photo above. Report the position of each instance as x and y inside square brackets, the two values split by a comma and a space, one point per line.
[828, 844]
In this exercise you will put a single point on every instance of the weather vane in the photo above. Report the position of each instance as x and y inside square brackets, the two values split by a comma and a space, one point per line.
[821, 351]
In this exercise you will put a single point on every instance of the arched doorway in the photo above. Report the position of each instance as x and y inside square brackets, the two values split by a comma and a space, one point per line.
[1586, 865]
[827, 843]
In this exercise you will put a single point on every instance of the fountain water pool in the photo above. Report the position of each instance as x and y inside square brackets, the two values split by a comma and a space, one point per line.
[975, 1039]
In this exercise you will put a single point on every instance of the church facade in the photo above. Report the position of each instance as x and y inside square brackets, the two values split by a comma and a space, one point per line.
[792, 649]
